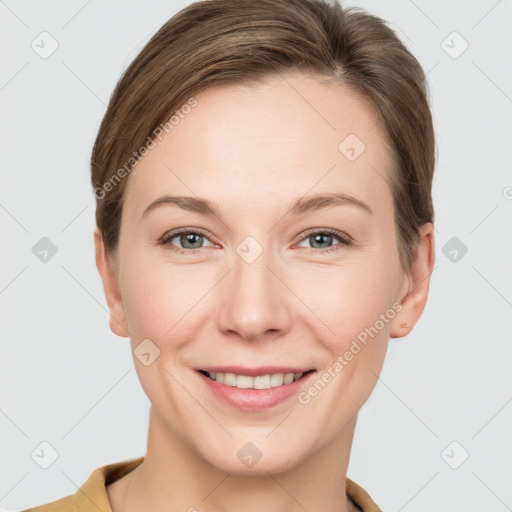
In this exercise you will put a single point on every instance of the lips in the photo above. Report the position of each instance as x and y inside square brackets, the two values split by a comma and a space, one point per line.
[254, 389]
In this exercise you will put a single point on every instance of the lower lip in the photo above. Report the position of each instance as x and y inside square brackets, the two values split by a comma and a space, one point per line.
[254, 399]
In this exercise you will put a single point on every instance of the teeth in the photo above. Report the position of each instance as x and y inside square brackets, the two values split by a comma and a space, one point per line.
[258, 382]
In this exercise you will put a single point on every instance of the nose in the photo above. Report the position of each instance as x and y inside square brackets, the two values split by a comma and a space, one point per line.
[254, 299]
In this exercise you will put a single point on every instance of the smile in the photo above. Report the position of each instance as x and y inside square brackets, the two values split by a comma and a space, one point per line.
[264, 389]
[257, 382]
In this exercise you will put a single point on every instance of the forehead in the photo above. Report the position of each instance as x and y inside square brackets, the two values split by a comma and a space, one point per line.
[279, 139]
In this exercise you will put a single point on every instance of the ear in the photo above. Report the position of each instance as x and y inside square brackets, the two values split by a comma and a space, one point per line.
[117, 320]
[416, 284]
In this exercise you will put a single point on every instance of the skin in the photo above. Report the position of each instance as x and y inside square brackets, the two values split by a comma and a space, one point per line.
[252, 150]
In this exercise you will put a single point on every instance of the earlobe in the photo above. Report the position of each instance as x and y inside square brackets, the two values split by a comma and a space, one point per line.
[117, 319]
[415, 298]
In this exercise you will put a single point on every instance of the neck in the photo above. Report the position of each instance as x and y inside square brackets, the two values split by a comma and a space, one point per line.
[173, 476]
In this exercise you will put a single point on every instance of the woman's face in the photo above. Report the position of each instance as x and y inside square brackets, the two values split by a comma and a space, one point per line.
[258, 284]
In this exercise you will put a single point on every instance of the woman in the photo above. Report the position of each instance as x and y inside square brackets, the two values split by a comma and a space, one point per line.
[291, 145]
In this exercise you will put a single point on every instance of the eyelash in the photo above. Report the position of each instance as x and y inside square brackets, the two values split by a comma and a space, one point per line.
[343, 239]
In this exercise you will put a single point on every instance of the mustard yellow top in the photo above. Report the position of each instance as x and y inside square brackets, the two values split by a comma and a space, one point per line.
[92, 495]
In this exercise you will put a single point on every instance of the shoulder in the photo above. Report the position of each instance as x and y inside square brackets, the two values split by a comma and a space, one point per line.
[360, 497]
[66, 504]
[92, 495]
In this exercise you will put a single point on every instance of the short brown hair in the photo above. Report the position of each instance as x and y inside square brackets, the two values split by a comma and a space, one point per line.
[213, 42]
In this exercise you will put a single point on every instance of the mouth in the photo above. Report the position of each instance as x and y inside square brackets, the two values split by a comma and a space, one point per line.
[264, 381]
[256, 389]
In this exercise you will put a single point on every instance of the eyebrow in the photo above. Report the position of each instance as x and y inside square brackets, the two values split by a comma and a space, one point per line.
[298, 207]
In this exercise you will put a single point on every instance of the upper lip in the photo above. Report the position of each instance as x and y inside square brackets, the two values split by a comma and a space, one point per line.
[253, 372]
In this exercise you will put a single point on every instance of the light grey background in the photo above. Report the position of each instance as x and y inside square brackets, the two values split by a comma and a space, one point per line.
[67, 380]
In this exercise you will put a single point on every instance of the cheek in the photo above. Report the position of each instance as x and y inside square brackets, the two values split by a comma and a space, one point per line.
[355, 306]
[346, 298]
[161, 299]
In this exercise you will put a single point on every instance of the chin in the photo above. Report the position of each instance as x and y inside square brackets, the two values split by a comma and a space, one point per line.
[245, 458]
[262, 467]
